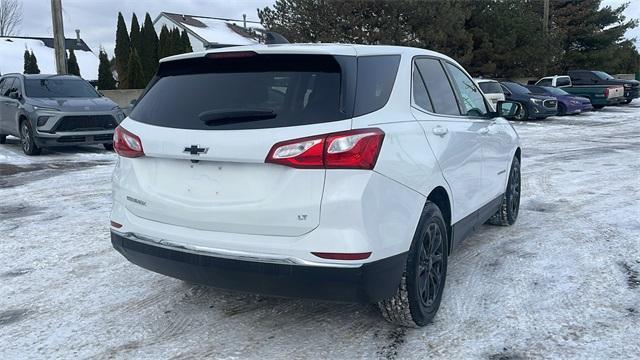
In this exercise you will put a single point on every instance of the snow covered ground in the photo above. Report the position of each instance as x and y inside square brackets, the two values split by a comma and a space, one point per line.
[563, 282]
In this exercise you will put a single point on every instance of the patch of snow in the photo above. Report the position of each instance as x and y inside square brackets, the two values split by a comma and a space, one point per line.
[12, 57]
[558, 284]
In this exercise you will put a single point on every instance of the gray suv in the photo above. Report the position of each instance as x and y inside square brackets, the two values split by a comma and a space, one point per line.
[55, 110]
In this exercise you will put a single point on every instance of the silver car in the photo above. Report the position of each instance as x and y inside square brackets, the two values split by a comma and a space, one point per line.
[55, 110]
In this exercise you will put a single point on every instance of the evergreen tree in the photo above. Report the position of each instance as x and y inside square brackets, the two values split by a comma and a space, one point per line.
[122, 52]
[175, 42]
[135, 75]
[149, 54]
[72, 64]
[163, 42]
[34, 69]
[186, 44]
[105, 76]
[27, 62]
[135, 36]
[592, 36]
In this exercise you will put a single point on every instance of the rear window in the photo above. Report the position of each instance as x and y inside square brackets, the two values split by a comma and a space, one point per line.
[562, 81]
[283, 90]
[490, 87]
[265, 91]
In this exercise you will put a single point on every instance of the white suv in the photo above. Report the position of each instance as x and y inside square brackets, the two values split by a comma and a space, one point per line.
[334, 172]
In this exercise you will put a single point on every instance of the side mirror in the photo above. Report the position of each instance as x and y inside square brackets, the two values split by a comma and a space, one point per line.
[508, 109]
[15, 95]
[133, 102]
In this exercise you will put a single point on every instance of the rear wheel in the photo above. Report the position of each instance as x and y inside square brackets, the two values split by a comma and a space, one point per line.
[510, 205]
[3, 139]
[26, 139]
[418, 297]
[562, 110]
[598, 107]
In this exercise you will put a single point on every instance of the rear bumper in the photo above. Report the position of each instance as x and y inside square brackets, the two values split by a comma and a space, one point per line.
[370, 282]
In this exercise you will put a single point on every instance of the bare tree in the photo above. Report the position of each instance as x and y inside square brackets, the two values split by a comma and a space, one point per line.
[10, 17]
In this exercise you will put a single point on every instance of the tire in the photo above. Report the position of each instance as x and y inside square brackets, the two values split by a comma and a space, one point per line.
[3, 139]
[522, 114]
[26, 139]
[418, 297]
[562, 110]
[510, 206]
[598, 107]
[108, 147]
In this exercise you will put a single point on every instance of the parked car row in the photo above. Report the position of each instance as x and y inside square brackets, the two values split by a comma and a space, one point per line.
[577, 92]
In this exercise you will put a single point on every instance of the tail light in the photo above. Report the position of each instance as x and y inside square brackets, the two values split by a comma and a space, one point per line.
[353, 149]
[606, 92]
[127, 144]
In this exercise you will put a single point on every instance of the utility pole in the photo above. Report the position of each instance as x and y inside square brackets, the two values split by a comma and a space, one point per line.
[545, 19]
[58, 36]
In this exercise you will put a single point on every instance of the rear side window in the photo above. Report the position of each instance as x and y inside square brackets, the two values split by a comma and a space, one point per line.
[442, 96]
[250, 92]
[563, 81]
[376, 76]
[420, 95]
[490, 87]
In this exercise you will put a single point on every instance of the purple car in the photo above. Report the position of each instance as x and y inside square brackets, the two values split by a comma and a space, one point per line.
[567, 104]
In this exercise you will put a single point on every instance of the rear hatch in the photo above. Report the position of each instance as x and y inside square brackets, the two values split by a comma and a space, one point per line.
[207, 124]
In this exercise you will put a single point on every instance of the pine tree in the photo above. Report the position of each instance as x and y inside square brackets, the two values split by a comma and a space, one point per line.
[135, 75]
[105, 77]
[186, 44]
[34, 64]
[123, 44]
[72, 64]
[149, 54]
[163, 42]
[176, 42]
[135, 36]
[27, 62]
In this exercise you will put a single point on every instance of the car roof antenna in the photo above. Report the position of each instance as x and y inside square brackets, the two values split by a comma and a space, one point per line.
[272, 37]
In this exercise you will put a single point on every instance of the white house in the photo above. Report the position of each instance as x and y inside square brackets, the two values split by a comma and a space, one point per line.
[12, 55]
[209, 32]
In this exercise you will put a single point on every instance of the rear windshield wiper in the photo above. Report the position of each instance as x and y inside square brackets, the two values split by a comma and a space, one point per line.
[225, 116]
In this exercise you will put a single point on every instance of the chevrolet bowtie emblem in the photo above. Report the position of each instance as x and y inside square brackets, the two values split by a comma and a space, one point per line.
[195, 150]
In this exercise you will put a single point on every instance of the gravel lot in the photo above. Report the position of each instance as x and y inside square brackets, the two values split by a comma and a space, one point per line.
[563, 282]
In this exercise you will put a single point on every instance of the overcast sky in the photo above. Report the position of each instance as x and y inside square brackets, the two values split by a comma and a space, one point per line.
[97, 19]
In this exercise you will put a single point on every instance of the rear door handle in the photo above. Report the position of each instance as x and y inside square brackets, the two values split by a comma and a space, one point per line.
[440, 130]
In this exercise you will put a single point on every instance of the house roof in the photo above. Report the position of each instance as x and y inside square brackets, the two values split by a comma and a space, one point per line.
[12, 55]
[216, 32]
[75, 44]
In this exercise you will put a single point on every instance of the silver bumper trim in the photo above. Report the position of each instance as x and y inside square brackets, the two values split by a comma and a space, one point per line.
[228, 254]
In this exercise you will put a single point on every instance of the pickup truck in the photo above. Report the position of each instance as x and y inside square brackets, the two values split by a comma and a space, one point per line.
[600, 95]
[590, 77]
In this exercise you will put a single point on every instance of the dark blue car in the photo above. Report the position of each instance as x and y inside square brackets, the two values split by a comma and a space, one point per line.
[567, 104]
[534, 106]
